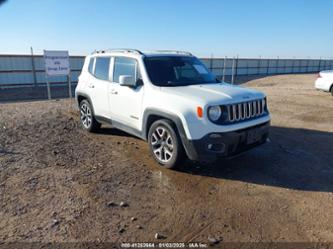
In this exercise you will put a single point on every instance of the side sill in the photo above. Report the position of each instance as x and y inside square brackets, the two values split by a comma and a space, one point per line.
[120, 126]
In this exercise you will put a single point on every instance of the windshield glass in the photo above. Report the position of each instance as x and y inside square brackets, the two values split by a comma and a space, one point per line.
[177, 71]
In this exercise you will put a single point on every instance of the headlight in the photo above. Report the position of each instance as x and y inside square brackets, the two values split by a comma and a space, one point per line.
[214, 113]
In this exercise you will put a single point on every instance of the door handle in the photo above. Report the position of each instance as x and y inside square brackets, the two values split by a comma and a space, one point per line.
[113, 91]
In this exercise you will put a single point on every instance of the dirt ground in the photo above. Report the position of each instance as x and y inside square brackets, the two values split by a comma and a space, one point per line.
[59, 183]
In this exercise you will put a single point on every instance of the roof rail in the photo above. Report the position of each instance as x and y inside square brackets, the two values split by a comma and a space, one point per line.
[173, 51]
[125, 50]
[130, 50]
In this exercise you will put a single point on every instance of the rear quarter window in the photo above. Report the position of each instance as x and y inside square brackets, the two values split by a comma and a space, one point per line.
[102, 67]
[91, 65]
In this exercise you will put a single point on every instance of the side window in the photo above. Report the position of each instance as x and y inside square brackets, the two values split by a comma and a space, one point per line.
[125, 66]
[91, 65]
[102, 66]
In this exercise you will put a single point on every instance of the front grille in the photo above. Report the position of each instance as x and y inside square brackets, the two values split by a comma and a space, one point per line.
[245, 111]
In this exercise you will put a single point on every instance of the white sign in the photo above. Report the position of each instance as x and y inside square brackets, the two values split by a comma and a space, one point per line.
[56, 63]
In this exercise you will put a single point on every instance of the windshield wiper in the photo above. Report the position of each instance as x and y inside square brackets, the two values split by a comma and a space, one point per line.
[173, 83]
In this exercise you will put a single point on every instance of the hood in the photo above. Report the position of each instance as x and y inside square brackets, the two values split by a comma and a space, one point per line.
[220, 93]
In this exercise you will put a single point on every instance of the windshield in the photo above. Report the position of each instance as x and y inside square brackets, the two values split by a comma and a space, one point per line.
[177, 71]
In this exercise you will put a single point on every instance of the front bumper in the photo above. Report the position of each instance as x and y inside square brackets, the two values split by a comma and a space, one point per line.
[322, 84]
[227, 144]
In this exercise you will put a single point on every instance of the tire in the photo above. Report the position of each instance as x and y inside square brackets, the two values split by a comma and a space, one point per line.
[87, 118]
[332, 90]
[165, 144]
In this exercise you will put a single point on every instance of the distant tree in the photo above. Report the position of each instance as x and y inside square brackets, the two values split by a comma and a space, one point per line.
[2, 1]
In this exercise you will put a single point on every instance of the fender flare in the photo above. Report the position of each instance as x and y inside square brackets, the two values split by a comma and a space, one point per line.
[86, 96]
[188, 146]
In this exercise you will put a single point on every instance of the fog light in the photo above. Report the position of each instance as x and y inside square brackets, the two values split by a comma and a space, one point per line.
[219, 148]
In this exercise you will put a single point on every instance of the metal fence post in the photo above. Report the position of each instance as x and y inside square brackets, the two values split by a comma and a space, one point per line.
[233, 70]
[69, 85]
[247, 67]
[259, 65]
[48, 86]
[292, 65]
[224, 68]
[236, 68]
[285, 66]
[33, 67]
[325, 64]
[47, 81]
[211, 63]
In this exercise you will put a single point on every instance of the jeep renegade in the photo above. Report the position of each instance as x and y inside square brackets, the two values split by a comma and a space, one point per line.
[171, 100]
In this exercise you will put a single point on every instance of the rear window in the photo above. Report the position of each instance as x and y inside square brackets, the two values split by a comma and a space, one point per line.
[102, 66]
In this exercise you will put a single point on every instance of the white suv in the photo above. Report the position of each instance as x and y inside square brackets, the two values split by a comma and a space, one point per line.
[324, 81]
[170, 99]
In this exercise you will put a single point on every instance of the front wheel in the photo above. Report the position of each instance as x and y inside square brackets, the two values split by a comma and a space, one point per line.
[165, 144]
[87, 118]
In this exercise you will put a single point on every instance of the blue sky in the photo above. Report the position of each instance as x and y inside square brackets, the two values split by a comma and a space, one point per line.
[249, 28]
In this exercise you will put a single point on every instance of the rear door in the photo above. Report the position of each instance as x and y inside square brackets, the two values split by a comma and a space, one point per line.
[126, 102]
[98, 87]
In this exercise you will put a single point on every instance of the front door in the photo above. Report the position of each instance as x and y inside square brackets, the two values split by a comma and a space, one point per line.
[125, 102]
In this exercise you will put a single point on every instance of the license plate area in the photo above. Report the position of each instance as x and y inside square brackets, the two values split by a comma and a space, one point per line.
[253, 136]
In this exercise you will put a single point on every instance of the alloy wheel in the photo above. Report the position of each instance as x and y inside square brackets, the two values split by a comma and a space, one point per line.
[85, 114]
[162, 144]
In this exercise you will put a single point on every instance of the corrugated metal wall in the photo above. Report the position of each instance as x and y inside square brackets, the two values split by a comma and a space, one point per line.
[266, 66]
[16, 70]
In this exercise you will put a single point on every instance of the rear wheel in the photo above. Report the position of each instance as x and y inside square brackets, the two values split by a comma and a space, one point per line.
[87, 118]
[165, 144]
[332, 90]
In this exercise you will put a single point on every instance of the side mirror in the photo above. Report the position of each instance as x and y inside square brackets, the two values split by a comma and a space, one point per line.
[127, 80]
[139, 82]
